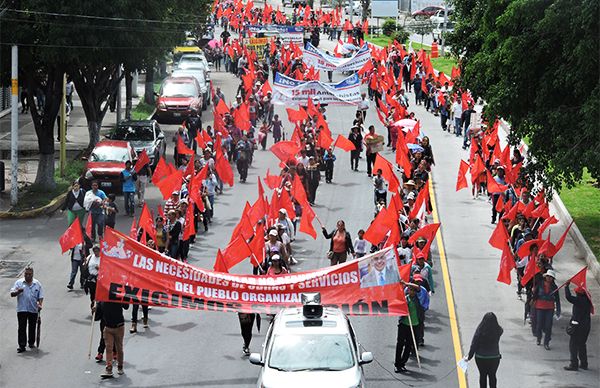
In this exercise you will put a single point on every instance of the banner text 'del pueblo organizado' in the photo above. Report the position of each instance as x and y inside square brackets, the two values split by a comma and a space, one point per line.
[133, 273]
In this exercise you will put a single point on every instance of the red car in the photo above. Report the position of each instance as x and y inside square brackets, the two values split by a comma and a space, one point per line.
[427, 12]
[177, 97]
[106, 162]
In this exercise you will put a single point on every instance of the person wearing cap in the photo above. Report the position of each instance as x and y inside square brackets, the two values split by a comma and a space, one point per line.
[276, 268]
[275, 247]
[379, 188]
[580, 322]
[172, 203]
[417, 300]
[409, 187]
[547, 303]
[499, 178]
[92, 263]
[420, 267]
[404, 250]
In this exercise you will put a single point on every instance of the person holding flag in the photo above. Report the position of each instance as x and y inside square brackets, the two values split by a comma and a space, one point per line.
[546, 302]
[580, 325]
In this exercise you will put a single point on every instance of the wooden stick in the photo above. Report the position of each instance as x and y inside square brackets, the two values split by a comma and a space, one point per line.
[91, 335]
[412, 332]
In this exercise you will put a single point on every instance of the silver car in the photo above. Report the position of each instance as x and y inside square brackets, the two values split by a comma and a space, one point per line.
[142, 135]
[194, 61]
[307, 349]
[200, 76]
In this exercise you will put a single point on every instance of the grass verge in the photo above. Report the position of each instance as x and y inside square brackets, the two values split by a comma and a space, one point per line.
[142, 111]
[380, 40]
[583, 203]
[33, 197]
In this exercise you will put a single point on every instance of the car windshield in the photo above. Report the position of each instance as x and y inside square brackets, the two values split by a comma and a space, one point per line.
[134, 133]
[186, 64]
[292, 353]
[109, 154]
[179, 89]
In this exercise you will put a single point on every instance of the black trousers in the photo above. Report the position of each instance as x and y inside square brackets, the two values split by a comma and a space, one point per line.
[246, 327]
[577, 346]
[329, 173]
[487, 370]
[495, 213]
[134, 312]
[26, 319]
[404, 345]
[370, 161]
[354, 158]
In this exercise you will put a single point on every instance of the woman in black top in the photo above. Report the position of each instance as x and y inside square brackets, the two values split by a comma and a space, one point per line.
[74, 203]
[580, 321]
[485, 347]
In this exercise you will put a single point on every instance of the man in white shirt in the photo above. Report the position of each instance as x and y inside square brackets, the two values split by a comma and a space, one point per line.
[457, 112]
[363, 106]
[30, 296]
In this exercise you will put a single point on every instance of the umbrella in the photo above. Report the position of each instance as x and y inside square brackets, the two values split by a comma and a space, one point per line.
[214, 43]
[39, 329]
[405, 123]
[415, 147]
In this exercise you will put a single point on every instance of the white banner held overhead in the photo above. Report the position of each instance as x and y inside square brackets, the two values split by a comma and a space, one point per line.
[312, 56]
[289, 91]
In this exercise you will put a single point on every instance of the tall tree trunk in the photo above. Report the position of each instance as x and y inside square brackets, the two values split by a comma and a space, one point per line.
[149, 86]
[128, 93]
[44, 121]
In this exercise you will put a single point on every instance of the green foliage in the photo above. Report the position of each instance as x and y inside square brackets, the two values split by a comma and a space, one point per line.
[142, 111]
[389, 27]
[400, 36]
[535, 63]
[73, 170]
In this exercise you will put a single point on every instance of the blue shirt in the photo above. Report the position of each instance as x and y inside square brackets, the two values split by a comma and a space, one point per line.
[27, 300]
[128, 182]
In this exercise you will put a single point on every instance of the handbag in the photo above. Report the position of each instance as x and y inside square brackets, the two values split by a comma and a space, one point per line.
[330, 255]
[572, 328]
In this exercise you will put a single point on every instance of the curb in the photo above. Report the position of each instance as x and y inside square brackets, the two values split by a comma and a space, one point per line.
[56, 203]
[581, 245]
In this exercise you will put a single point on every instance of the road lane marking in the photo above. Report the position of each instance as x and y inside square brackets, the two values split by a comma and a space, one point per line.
[462, 382]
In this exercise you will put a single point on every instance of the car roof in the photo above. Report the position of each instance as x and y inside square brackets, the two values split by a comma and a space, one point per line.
[136, 123]
[112, 143]
[180, 80]
[291, 321]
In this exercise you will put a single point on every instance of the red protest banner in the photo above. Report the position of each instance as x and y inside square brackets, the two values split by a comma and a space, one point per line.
[130, 272]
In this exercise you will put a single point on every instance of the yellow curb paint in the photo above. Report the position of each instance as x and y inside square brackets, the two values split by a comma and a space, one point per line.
[462, 382]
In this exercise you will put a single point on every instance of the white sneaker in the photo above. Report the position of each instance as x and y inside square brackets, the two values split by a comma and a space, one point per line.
[293, 261]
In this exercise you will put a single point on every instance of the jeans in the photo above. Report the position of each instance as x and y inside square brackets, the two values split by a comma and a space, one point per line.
[75, 266]
[544, 324]
[129, 202]
[97, 225]
[457, 126]
[113, 337]
[26, 319]
[404, 345]
[173, 249]
[487, 369]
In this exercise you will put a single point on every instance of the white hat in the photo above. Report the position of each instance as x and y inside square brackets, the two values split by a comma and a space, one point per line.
[273, 232]
[550, 273]
[282, 210]
[411, 195]
[275, 257]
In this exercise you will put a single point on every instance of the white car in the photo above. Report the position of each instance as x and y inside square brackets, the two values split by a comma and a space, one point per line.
[356, 8]
[438, 30]
[194, 61]
[438, 17]
[311, 347]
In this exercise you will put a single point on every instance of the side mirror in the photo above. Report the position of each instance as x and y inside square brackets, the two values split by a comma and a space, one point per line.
[365, 358]
[256, 359]
[156, 94]
[160, 136]
[85, 158]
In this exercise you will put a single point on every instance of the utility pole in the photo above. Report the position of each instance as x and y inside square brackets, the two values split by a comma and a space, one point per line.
[14, 126]
[443, 37]
[63, 127]
[119, 96]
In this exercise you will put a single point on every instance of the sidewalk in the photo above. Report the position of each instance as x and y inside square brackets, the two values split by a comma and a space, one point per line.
[77, 139]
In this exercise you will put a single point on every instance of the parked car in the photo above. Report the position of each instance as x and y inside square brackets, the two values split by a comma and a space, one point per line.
[438, 17]
[427, 12]
[194, 61]
[177, 97]
[200, 76]
[438, 30]
[311, 346]
[356, 8]
[142, 135]
[106, 162]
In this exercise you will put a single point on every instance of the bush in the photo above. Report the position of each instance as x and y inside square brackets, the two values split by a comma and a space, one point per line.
[400, 36]
[389, 27]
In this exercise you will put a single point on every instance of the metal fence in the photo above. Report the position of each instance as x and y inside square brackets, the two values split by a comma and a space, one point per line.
[4, 98]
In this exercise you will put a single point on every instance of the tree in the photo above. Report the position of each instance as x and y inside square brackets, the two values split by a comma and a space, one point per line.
[54, 38]
[535, 64]
[389, 27]
[422, 27]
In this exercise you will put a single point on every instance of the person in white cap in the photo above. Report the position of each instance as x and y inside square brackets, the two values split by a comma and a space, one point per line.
[546, 302]
[275, 247]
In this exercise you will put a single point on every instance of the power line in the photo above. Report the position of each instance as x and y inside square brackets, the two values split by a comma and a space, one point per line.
[86, 47]
[98, 17]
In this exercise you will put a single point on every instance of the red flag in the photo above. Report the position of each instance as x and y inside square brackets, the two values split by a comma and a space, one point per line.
[170, 183]
[507, 263]
[272, 181]
[461, 182]
[530, 271]
[72, 236]
[244, 227]
[88, 226]
[378, 228]
[160, 171]
[345, 144]
[499, 237]
[220, 265]
[493, 186]
[189, 168]
[325, 140]
[189, 228]
[387, 172]
[296, 115]
[200, 140]
[257, 247]
[221, 107]
[241, 117]
[421, 205]
[133, 230]
[500, 204]
[428, 232]
[477, 168]
[161, 212]
[525, 248]
[143, 160]
[561, 241]
[265, 88]
[147, 223]
[306, 221]
[311, 109]
[222, 165]
[182, 149]
[579, 279]
[549, 221]
[285, 150]
[236, 252]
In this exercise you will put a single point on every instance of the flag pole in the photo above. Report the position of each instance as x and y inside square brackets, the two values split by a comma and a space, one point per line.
[412, 332]
[92, 334]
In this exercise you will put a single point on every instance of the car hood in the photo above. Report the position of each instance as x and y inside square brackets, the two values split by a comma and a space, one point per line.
[139, 145]
[334, 379]
[112, 168]
[176, 100]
